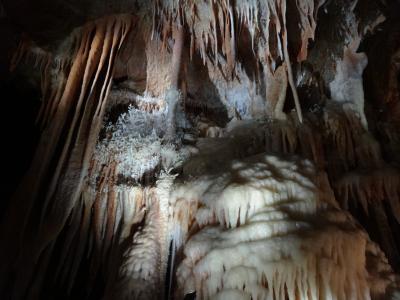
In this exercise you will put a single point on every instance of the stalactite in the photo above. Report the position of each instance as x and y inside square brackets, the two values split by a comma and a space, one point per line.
[288, 64]
[347, 87]
[372, 191]
[371, 187]
[308, 14]
[224, 15]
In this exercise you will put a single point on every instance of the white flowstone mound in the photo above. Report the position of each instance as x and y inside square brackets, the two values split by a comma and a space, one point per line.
[265, 233]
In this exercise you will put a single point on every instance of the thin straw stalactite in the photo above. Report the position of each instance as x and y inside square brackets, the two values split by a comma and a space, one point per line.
[289, 66]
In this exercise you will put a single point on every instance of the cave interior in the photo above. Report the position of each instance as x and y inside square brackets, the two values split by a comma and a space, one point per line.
[200, 149]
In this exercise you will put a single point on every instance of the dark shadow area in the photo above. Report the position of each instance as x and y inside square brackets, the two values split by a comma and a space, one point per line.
[20, 104]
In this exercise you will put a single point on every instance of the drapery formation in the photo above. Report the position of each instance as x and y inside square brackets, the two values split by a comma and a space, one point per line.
[170, 161]
[71, 117]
